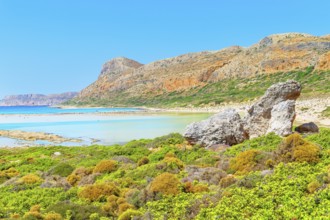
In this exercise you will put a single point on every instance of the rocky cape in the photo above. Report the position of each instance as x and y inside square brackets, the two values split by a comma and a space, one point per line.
[37, 99]
[125, 79]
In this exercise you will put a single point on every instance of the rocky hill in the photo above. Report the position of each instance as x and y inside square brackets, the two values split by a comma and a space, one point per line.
[36, 99]
[124, 81]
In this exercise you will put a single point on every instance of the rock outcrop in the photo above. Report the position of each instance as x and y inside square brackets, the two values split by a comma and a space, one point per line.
[266, 114]
[282, 117]
[37, 99]
[310, 127]
[274, 112]
[223, 128]
[125, 79]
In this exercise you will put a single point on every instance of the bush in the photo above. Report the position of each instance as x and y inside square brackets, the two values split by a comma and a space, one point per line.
[307, 152]
[165, 183]
[143, 161]
[30, 179]
[15, 216]
[130, 214]
[171, 164]
[53, 216]
[11, 172]
[249, 181]
[82, 171]
[105, 166]
[245, 161]
[77, 211]
[228, 181]
[32, 216]
[170, 139]
[73, 179]
[313, 186]
[191, 188]
[123, 207]
[98, 192]
[34, 213]
[295, 148]
[7, 174]
[62, 169]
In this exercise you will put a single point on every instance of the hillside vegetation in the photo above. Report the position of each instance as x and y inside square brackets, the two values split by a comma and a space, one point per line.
[224, 91]
[166, 178]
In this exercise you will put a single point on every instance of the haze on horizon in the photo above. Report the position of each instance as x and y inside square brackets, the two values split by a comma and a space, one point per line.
[59, 46]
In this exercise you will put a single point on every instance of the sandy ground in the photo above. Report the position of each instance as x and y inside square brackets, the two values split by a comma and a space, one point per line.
[307, 110]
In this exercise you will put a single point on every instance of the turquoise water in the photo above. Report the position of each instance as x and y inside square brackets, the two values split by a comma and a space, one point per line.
[106, 129]
[50, 110]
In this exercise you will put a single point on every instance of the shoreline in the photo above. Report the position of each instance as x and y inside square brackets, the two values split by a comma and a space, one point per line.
[307, 109]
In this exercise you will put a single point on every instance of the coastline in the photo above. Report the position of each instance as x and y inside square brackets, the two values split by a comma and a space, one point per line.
[307, 109]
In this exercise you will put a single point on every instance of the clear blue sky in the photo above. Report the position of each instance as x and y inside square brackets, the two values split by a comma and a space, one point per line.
[51, 46]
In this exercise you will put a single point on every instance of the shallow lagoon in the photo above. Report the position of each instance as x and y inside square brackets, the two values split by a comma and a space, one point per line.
[99, 127]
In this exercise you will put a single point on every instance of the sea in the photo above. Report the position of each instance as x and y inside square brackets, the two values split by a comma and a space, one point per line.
[94, 126]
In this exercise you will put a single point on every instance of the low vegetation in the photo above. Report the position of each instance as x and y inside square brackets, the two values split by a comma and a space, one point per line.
[166, 178]
[326, 112]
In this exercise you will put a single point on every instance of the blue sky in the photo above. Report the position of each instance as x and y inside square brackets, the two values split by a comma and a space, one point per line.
[60, 45]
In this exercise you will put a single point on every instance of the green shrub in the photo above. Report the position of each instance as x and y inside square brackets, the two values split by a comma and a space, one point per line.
[313, 186]
[143, 161]
[98, 192]
[228, 181]
[295, 148]
[122, 207]
[129, 214]
[30, 179]
[245, 161]
[105, 166]
[73, 179]
[62, 169]
[170, 139]
[34, 213]
[165, 183]
[7, 174]
[267, 143]
[172, 164]
[191, 188]
[53, 216]
[77, 211]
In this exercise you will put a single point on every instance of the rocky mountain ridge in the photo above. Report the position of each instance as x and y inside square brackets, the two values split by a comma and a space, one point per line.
[125, 78]
[36, 99]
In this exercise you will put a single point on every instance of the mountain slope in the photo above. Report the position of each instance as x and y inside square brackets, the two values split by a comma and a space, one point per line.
[128, 81]
[36, 99]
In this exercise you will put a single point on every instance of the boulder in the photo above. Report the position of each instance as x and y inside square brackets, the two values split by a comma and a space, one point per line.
[282, 117]
[223, 128]
[258, 120]
[310, 127]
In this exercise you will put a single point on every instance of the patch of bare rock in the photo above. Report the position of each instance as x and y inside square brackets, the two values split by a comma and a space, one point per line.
[273, 112]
